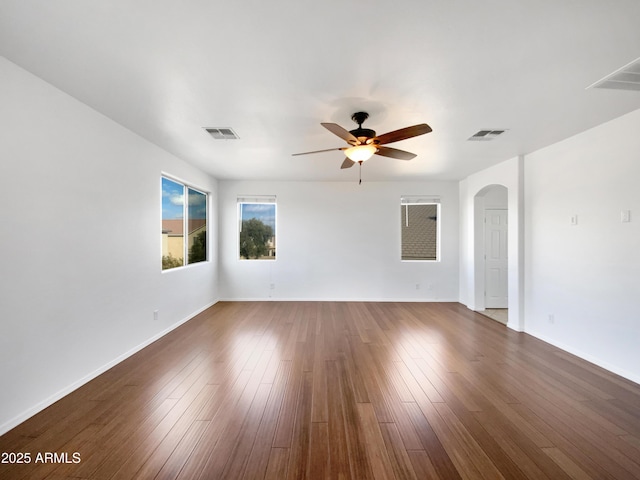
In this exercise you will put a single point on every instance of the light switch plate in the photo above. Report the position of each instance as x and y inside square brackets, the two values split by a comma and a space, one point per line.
[625, 216]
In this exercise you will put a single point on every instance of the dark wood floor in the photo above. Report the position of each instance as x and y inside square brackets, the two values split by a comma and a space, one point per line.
[341, 391]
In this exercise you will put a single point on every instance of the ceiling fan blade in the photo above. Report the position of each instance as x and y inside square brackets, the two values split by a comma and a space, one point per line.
[395, 153]
[341, 132]
[403, 133]
[348, 163]
[319, 151]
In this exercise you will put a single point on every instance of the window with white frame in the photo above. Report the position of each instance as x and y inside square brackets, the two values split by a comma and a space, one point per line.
[184, 224]
[257, 227]
[420, 228]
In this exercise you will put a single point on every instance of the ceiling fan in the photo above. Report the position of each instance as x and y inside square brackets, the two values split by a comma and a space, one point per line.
[363, 142]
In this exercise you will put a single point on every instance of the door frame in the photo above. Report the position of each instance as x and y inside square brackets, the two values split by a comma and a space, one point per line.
[480, 205]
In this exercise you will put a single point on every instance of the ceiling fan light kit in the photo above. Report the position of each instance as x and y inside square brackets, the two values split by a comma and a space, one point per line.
[363, 142]
[360, 153]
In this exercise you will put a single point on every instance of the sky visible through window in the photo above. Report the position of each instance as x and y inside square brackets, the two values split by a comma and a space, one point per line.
[265, 212]
[197, 205]
[173, 202]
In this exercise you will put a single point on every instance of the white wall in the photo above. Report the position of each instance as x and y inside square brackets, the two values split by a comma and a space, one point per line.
[472, 190]
[80, 239]
[586, 275]
[80, 243]
[338, 241]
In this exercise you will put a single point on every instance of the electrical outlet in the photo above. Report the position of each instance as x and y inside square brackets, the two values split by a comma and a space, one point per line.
[417, 286]
[155, 315]
[272, 286]
[574, 219]
[552, 318]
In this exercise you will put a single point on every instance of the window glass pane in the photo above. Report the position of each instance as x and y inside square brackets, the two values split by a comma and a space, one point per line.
[419, 231]
[197, 226]
[184, 214]
[257, 230]
[172, 224]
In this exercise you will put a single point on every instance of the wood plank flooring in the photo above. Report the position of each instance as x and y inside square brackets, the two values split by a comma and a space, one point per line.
[340, 390]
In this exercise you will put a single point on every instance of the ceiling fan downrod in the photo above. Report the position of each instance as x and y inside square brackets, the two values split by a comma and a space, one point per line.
[362, 134]
[359, 118]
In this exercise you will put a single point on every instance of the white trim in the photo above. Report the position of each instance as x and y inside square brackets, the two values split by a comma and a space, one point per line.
[585, 356]
[356, 299]
[257, 199]
[419, 199]
[38, 407]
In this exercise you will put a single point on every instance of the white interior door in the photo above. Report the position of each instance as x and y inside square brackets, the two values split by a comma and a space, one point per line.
[496, 263]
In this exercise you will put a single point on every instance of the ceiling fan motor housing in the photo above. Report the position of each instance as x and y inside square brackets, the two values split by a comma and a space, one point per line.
[362, 134]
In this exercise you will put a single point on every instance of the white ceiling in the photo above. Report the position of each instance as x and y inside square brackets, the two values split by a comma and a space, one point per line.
[273, 70]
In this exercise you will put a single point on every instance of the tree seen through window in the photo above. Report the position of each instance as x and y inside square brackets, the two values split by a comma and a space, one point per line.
[257, 235]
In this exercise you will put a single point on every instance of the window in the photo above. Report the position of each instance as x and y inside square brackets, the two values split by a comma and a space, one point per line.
[257, 228]
[420, 227]
[180, 216]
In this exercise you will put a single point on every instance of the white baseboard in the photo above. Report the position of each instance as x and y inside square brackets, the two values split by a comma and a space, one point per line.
[14, 422]
[372, 300]
[578, 353]
[585, 356]
[515, 326]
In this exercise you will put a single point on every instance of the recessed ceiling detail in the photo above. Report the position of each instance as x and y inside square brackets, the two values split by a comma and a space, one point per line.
[224, 133]
[625, 78]
[486, 135]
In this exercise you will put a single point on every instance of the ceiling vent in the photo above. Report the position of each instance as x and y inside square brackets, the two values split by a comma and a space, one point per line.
[625, 78]
[225, 133]
[486, 135]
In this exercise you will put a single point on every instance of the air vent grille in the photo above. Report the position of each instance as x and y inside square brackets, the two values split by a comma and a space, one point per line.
[486, 135]
[224, 133]
[625, 78]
